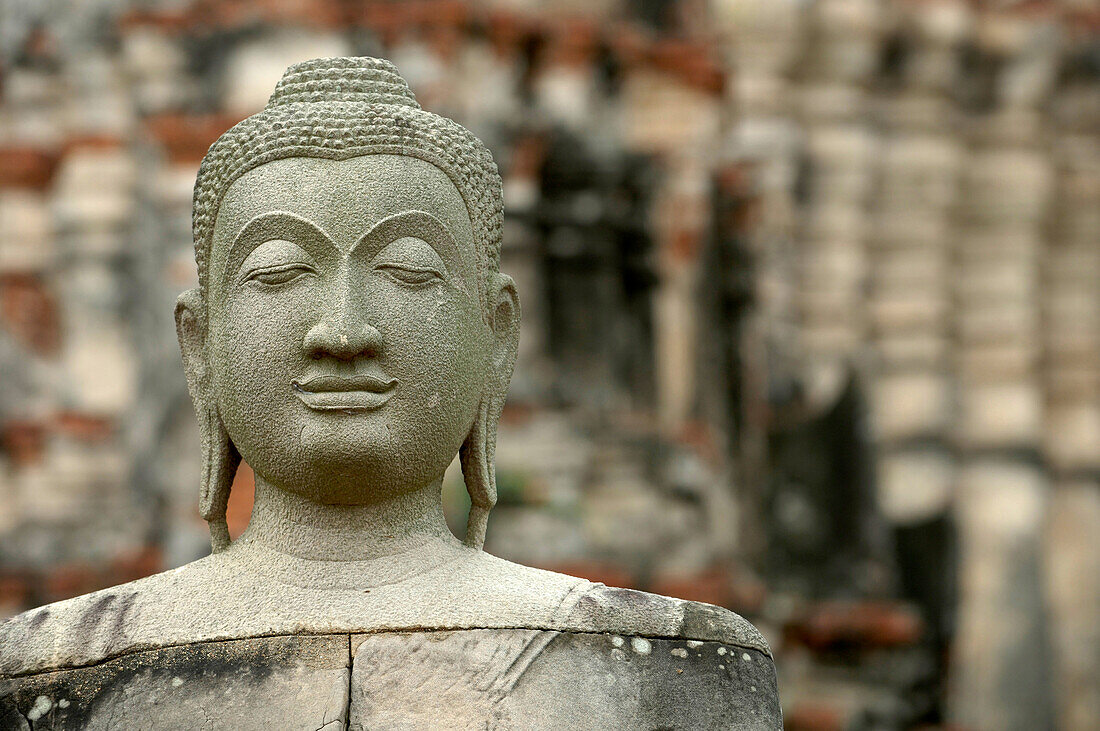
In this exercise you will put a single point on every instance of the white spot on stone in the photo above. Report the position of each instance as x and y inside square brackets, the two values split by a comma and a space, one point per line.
[745, 656]
[721, 667]
[63, 703]
[41, 707]
[433, 401]
[721, 651]
[679, 652]
[694, 643]
[177, 682]
[641, 645]
[753, 689]
[617, 641]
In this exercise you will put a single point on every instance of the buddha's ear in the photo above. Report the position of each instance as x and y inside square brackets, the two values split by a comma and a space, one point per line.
[479, 450]
[505, 326]
[220, 458]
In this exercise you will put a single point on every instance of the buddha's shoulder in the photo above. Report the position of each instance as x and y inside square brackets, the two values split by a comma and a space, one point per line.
[583, 606]
[216, 599]
[90, 627]
[629, 612]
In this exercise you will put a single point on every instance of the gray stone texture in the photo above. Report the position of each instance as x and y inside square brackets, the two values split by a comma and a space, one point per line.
[468, 679]
[291, 682]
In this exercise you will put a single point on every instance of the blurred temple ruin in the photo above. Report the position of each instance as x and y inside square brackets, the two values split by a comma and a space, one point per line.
[811, 296]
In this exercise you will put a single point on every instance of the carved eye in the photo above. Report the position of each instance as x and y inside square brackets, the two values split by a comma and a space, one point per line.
[408, 274]
[279, 274]
[276, 262]
[410, 261]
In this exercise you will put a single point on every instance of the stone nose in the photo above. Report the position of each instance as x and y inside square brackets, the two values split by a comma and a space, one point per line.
[343, 340]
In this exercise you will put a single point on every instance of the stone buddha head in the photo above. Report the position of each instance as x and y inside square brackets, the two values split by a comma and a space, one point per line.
[350, 332]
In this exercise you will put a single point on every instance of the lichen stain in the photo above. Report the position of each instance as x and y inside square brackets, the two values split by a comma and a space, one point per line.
[41, 707]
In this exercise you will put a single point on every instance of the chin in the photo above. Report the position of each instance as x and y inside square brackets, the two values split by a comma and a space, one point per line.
[355, 464]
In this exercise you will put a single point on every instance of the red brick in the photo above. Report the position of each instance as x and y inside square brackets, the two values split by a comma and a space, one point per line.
[241, 497]
[64, 582]
[722, 586]
[855, 625]
[167, 20]
[571, 42]
[29, 311]
[187, 137]
[712, 586]
[15, 592]
[136, 564]
[40, 44]
[23, 441]
[449, 13]
[93, 142]
[629, 44]
[84, 427]
[240, 13]
[27, 167]
[813, 717]
[506, 29]
[603, 572]
[689, 61]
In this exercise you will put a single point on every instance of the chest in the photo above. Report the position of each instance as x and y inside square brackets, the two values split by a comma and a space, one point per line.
[468, 679]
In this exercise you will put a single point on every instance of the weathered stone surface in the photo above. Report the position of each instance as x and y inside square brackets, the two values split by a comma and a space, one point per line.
[466, 679]
[505, 679]
[289, 682]
[214, 599]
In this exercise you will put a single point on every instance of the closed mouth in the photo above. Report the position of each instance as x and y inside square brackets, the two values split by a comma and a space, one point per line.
[344, 393]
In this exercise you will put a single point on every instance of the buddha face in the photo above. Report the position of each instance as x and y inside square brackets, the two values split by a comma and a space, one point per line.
[346, 345]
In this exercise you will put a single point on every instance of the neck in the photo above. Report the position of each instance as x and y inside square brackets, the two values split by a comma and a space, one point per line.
[376, 543]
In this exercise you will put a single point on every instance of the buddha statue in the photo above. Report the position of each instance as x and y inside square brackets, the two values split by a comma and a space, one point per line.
[350, 334]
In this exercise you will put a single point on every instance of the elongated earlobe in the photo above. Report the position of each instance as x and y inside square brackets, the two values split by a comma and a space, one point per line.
[220, 458]
[478, 452]
[220, 461]
[479, 472]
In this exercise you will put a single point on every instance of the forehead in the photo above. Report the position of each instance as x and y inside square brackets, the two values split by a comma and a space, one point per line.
[344, 198]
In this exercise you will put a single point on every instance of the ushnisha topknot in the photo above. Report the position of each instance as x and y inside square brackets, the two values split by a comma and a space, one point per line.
[338, 108]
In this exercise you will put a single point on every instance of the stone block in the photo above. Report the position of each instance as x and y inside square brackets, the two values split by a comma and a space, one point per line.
[1071, 435]
[287, 682]
[902, 312]
[925, 351]
[907, 405]
[1000, 415]
[1001, 668]
[534, 679]
[253, 67]
[1073, 582]
[914, 485]
[27, 167]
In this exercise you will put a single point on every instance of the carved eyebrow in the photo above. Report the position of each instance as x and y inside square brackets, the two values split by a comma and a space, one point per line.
[421, 225]
[277, 225]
